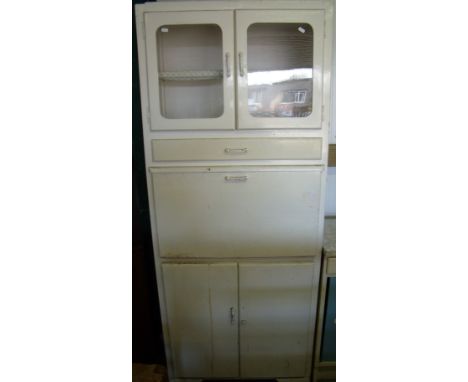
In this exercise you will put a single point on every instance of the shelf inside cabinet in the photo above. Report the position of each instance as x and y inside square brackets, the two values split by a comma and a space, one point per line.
[191, 75]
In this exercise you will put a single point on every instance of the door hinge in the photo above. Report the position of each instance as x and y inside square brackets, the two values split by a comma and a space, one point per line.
[323, 112]
[144, 30]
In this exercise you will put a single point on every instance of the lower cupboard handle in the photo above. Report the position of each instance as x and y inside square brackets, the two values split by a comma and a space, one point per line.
[232, 315]
[236, 178]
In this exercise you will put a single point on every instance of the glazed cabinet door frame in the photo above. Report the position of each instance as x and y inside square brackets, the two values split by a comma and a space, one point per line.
[244, 19]
[235, 60]
[225, 21]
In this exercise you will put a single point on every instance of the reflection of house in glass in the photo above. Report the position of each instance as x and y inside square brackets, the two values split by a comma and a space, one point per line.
[280, 93]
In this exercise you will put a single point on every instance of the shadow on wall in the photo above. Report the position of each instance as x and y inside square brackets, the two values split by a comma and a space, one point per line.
[147, 341]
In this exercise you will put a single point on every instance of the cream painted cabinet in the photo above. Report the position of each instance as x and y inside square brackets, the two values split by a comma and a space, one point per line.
[236, 108]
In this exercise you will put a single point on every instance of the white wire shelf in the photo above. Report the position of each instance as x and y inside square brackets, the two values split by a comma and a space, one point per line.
[191, 75]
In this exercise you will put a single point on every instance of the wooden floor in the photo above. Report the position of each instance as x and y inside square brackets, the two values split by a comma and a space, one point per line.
[148, 373]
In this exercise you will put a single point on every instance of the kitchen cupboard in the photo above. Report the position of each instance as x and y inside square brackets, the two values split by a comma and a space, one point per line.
[260, 311]
[236, 109]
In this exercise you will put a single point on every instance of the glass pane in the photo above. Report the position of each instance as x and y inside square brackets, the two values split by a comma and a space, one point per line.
[190, 62]
[280, 69]
[328, 352]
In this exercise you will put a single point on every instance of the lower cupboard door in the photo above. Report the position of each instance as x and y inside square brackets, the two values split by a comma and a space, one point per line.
[201, 305]
[276, 319]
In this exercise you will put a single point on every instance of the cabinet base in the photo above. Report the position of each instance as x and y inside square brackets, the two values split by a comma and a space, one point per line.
[304, 379]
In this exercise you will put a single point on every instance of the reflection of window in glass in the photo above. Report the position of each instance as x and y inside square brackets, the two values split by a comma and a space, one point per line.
[280, 68]
[299, 97]
[190, 60]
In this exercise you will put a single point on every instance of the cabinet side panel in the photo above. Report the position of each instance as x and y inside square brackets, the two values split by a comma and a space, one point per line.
[275, 313]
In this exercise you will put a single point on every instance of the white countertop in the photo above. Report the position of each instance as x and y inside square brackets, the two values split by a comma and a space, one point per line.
[329, 242]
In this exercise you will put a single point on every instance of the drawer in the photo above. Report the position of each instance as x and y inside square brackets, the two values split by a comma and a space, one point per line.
[238, 212]
[237, 148]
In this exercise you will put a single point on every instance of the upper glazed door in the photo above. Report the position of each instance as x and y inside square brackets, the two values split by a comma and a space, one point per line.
[189, 66]
[280, 63]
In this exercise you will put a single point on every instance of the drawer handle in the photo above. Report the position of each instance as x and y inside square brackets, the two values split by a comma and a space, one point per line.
[243, 150]
[236, 178]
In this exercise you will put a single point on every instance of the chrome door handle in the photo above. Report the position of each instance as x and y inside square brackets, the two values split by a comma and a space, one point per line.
[228, 65]
[243, 150]
[242, 178]
[241, 64]
[232, 315]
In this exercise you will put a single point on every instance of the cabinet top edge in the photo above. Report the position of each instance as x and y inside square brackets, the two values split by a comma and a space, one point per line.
[233, 5]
